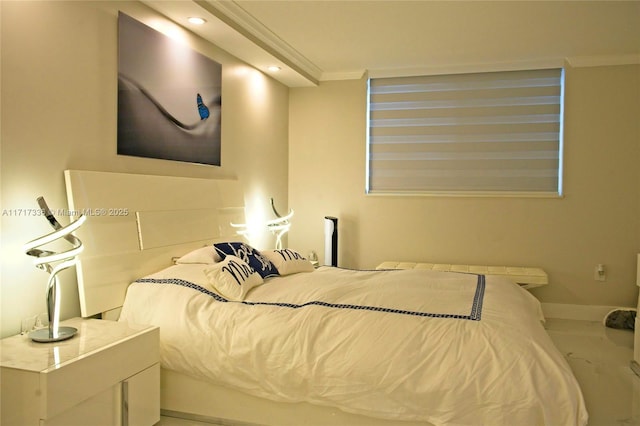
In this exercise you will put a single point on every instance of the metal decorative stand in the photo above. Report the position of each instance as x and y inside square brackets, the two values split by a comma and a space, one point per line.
[54, 263]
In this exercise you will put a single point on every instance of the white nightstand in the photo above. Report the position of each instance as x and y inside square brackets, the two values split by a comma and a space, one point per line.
[108, 374]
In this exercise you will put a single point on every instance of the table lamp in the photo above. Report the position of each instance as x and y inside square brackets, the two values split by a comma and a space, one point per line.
[279, 226]
[54, 263]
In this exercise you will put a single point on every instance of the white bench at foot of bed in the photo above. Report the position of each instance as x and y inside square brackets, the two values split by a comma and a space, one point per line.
[524, 276]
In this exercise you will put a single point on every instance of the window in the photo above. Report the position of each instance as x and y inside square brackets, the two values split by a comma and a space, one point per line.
[494, 133]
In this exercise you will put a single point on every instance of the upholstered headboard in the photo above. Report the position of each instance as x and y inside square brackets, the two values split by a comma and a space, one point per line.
[137, 223]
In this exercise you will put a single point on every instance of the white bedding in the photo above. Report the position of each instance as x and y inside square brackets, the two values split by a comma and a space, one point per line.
[442, 347]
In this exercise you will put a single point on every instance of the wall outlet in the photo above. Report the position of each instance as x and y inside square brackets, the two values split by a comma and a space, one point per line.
[599, 274]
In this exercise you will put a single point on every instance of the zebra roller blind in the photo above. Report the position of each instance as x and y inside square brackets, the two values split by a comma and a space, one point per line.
[494, 132]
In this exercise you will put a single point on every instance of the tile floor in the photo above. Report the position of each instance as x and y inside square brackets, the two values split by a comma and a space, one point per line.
[600, 360]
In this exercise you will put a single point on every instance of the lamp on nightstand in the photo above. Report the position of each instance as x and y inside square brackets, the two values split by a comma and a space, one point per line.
[279, 226]
[54, 263]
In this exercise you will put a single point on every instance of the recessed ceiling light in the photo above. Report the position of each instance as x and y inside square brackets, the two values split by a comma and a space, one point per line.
[196, 20]
[274, 68]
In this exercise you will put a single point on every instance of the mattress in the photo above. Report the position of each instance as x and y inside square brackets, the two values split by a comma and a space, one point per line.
[525, 276]
[414, 345]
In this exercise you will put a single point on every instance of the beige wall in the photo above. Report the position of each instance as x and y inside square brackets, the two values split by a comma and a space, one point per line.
[597, 221]
[58, 111]
[59, 93]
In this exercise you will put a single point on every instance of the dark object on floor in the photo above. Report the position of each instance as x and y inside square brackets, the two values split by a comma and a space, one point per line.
[621, 318]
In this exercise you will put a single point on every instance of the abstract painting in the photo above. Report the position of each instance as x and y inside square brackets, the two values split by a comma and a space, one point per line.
[169, 97]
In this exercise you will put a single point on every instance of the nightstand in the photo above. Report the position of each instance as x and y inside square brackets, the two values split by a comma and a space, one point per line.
[108, 374]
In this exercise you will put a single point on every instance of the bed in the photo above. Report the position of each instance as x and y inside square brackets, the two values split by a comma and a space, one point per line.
[302, 345]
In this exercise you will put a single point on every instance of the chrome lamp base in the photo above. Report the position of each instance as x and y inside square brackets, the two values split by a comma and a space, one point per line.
[44, 335]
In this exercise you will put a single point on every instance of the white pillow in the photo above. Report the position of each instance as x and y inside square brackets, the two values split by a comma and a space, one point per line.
[205, 255]
[288, 261]
[233, 278]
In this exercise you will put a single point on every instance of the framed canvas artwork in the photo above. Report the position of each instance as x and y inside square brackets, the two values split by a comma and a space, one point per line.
[169, 97]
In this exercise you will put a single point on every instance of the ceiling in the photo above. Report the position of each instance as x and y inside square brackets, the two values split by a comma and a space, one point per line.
[313, 41]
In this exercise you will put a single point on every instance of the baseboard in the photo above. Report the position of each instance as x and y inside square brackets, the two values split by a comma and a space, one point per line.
[577, 312]
[203, 419]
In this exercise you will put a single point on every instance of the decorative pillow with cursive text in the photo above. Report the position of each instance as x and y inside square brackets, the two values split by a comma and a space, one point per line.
[233, 278]
[288, 261]
[258, 262]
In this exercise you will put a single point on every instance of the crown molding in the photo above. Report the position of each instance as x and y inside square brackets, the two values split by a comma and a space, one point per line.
[246, 24]
[604, 60]
[346, 75]
[464, 68]
[540, 63]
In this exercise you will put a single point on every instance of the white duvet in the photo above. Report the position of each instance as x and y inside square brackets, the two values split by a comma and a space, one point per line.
[442, 347]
